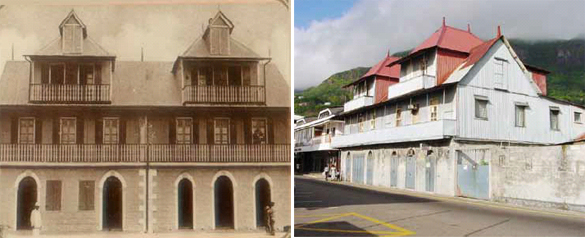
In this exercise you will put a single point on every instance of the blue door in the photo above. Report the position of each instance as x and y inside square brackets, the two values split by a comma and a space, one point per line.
[393, 171]
[358, 169]
[473, 174]
[370, 171]
[410, 171]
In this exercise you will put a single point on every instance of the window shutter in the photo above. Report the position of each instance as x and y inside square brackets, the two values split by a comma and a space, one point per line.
[233, 134]
[172, 131]
[224, 41]
[14, 130]
[210, 131]
[38, 131]
[68, 38]
[77, 38]
[53, 198]
[195, 132]
[122, 130]
[247, 131]
[56, 130]
[99, 131]
[270, 128]
[86, 195]
[80, 130]
[98, 74]
[44, 73]
[214, 44]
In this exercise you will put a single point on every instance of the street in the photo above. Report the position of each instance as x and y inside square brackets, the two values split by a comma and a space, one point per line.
[332, 209]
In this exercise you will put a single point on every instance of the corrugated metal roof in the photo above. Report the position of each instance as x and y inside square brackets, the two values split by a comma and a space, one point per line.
[381, 69]
[90, 48]
[479, 51]
[450, 38]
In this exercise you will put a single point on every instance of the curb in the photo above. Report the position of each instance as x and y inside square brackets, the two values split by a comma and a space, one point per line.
[444, 198]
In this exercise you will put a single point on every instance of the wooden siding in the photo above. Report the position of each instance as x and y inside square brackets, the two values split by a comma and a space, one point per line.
[447, 61]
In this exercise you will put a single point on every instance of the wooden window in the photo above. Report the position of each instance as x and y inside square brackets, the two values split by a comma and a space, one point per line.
[53, 193]
[222, 130]
[554, 119]
[398, 116]
[577, 117]
[26, 130]
[500, 73]
[86, 195]
[259, 131]
[111, 130]
[184, 130]
[434, 107]
[68, 130]
[520, 116]
[481, 108]
[72, 37]
[414, 113]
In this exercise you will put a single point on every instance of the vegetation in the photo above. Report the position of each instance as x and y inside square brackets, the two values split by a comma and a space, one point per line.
[565, 59]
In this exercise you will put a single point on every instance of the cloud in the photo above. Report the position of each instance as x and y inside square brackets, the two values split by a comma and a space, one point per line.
[363, 35]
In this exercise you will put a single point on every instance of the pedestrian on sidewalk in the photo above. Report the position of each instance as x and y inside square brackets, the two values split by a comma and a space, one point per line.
[35, 220]
[326, 172]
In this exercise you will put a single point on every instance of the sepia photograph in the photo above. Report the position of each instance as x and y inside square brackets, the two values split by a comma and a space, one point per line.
[145, 119]
[439, 118]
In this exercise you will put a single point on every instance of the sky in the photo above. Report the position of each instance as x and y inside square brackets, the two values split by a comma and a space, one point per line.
[359, 33]
[163, 30]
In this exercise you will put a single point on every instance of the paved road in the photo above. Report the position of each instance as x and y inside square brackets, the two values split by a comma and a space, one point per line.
[329, 209]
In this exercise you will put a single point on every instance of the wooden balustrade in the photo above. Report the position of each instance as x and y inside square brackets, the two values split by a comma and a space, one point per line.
[93, 153]
[70, 93]
[223, 94]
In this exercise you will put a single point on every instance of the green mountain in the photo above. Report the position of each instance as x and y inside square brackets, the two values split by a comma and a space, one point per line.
[311, 100]
[565, 59]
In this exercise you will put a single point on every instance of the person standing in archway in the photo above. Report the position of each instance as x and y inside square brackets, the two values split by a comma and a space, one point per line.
[35, 220]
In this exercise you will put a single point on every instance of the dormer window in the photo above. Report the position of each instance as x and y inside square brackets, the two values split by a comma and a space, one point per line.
[72, 35]
[218, 35]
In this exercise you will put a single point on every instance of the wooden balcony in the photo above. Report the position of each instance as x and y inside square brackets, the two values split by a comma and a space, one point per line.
[140, 153]
[207, 94]
[69, 93]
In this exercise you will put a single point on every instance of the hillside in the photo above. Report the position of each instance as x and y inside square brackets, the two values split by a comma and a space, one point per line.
[564, 58]
[310, 101]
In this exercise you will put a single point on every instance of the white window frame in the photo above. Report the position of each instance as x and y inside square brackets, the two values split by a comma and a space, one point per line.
[580, 119]
[557, 125]
[215, 127]
[520, 106]
[34, 129]
[476, 104]
[398, 116]
[434, 108]
[61, 130]
[117, 129]
[503, 64]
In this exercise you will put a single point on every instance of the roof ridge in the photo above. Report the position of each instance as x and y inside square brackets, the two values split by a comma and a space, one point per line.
[464, 31]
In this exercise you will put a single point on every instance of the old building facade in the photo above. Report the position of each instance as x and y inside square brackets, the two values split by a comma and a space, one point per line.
[451, 118]
[103, 144]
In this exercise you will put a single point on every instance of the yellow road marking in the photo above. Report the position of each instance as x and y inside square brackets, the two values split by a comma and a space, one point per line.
[399, 231]
[317, 215]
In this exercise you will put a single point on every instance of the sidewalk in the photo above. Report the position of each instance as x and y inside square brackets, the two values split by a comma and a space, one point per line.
[176, 234]
[541, 211]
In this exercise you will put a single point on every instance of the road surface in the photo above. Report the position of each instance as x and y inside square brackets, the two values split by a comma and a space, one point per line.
[330, 209]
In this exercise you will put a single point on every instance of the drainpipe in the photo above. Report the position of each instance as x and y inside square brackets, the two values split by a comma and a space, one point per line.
[29, 74]
[267, 62]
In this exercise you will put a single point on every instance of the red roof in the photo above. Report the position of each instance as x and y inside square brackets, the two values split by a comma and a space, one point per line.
[381, 69]
[450, 38]
[580, 138]
[479, 51]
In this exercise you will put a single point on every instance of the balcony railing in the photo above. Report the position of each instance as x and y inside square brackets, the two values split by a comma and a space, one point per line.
[93, 153]
[356, 103]
[70, 93]
[224, 94]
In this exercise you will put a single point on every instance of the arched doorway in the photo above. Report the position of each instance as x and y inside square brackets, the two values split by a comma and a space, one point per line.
[27, 197]
[185, 204]
[224, 203]
[263, 199]
[112, 204]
